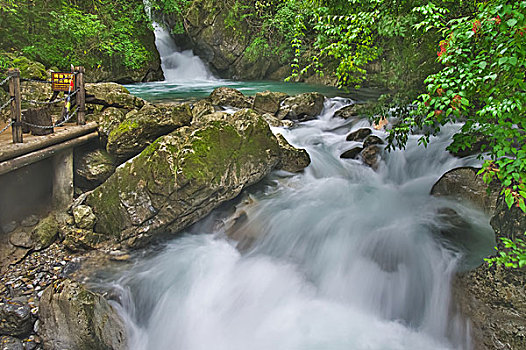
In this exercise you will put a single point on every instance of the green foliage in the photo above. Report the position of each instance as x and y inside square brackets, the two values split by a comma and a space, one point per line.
[513, 255]
[176, 9]
[89, 33]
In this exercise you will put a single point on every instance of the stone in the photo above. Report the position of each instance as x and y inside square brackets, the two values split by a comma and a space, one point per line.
[112, 95]
[10, 343]
[72, 317]
[84, 217]
[45, 233]
[15, 318]
[40, 117]
[292, 159]
[275, 122]
[464, 185]
[202, 108]
[109, 119]
[141, 127]
[9, 226]
[80, 240]
[372, 140]
[351, 153]
[268, 101]
[301, 107]
[93, 168]
[347, 112]
[183, 176]
[29, 221]
[359, 135]
[370, 156]
[21, 239]
[225, 96]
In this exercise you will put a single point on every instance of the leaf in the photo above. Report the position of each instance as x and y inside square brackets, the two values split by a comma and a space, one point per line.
[511, 22]
[483, 64]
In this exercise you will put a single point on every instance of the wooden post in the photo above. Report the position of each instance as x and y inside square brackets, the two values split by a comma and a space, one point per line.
[81, 96]
[16, 104]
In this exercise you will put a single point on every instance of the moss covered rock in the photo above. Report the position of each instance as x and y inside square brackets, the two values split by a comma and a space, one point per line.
[292, 159]
[93, 168]
[141, 127]
[112, 95]
[182, 176]
[74, 318]
[45, 233]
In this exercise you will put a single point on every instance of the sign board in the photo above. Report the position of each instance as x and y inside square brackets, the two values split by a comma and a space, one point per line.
[61, 81]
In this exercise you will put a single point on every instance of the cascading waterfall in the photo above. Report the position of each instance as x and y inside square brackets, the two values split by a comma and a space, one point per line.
[346, 258]
[178, 66]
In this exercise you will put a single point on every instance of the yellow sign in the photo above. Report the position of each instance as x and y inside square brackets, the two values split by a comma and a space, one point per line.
[63, 81]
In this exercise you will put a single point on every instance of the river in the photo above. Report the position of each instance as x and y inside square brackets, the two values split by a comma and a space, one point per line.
[340, 257]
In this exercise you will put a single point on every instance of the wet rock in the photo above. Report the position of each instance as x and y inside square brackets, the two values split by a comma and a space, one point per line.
[464, 185]
[182, 176]
[225, 96]
[202, 108]
[292, 159]
[359, 134]
[9, 226]
[347, 112]
[15, 318]
[507, 222]
[351, 153]
[21, 239]
[29, 221]
[45, 232]
[74, 318]
[93, 168]
[476, 146]
[10, 343]
[268, 101]
[141, 127]
[370, 156]
[112, 95]
[207, 118]
[301, 107]
[275, 122]
[372, 140]
[84, 217]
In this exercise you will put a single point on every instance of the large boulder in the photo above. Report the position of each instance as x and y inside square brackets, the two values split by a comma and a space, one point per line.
[268, 101]
[464, 185]
[292, 159]
[108, 120]
[45, 233]
[72, 317]
[302, 107]
[141, 127]
[93, 168]
[182, 176]
[112, 95]
[493, 298]
[225, 96]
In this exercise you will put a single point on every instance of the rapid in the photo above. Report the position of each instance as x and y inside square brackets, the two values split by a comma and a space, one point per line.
[338, 257]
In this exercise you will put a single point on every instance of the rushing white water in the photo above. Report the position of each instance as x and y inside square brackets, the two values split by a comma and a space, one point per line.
[179, 66]
[347, 258]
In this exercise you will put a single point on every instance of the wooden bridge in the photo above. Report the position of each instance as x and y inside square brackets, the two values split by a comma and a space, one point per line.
[22, 155]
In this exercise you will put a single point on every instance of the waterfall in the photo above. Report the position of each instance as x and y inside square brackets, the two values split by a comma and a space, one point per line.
[345, 258]
[178, 66]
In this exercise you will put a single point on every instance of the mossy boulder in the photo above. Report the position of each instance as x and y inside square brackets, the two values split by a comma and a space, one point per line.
[141, 127]
[45, 233]
[108, 120]
[302, 107]
[182, 176]
[71, 317]
[268, 101]
[28, 69]
[225, 96]
[202, 108]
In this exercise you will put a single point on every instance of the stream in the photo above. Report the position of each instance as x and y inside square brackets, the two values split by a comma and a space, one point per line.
[339, 256]
[344, 257]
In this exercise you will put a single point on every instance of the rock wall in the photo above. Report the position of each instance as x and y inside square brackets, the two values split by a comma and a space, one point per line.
[492, 298]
